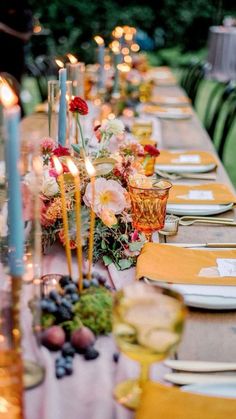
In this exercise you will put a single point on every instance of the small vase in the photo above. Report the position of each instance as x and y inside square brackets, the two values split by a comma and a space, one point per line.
[149, 165]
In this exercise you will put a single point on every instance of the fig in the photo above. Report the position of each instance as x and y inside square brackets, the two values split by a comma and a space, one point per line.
[53, 338]
[82, 338]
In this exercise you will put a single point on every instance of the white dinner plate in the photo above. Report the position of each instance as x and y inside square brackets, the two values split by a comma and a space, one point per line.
[186, 168]
[170, 101]
[191, 209]
[209, 297]
[174, 114]
[217, 390]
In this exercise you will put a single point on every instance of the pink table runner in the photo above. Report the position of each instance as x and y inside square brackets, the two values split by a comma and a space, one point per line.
[87, 394]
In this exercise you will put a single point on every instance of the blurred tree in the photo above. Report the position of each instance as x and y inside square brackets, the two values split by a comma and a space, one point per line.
[169, 22]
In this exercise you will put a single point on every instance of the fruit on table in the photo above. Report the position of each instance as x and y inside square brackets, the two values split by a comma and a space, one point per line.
[91, 353]
[82, 338]
[53, 338]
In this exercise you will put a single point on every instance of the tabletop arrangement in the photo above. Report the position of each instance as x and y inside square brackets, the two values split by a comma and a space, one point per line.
[88, 253]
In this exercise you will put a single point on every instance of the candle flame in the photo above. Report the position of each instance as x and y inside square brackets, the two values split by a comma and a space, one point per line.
[135, 47]
[89, 167]
[59, 63]
[128, 36]
[99, 40]
[7, 95]
[125, 51]
[128, 59]
[57, 165]
[124, 68]
[72, 59]
[72, 167]
[118, 32]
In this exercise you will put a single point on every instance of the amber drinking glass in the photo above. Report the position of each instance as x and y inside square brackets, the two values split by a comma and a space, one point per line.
[148, 205]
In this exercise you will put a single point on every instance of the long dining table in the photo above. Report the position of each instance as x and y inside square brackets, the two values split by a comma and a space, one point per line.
[208, 335]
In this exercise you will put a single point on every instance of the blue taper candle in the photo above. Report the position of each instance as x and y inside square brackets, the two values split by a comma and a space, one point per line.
[62, 108]
[15, 212]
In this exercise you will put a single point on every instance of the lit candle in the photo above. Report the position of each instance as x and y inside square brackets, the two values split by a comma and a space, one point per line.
[60, 180]
[62, 107]
[75, 173]
[101, 55]
[15, 216]
[76, 71]
[91, 172]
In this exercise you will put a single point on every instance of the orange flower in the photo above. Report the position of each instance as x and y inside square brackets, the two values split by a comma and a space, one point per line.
[62, 238]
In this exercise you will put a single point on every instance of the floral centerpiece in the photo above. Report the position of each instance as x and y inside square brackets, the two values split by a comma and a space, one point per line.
[114, 239]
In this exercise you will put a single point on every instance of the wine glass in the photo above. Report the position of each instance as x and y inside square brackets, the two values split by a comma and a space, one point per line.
[147, 326]
[148, 204]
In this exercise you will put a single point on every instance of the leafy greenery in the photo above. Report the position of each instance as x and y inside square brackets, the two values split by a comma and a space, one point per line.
[73, 23]
[94, 310]
[111, 244]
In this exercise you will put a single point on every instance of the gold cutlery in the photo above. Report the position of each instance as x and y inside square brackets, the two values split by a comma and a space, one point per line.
[198, 378]
[200, 220]
[173, 176]
[196, 217]
[200, 366]
[208, 245]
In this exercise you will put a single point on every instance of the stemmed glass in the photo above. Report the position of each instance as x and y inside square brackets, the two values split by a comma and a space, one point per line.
[148, 204]
[147, 326]
[53, 109]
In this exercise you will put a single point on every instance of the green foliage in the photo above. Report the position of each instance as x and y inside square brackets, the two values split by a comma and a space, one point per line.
[94, 310]
[73, 23]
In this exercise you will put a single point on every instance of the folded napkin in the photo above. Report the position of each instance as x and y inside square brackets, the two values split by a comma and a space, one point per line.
[163, 402]
[177, 265]
[155, 109]
[208, 193]
[193, 157]
[170, 100]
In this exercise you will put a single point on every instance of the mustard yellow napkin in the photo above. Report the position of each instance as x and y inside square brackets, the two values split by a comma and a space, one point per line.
[160, 402]
[153, 109]
[170, 100]
[177, 265]
[193, 158]
[207, 194]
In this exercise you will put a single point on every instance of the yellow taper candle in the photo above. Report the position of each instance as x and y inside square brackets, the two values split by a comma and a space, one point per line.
[75, 173]
[60, 179]
[91, 172]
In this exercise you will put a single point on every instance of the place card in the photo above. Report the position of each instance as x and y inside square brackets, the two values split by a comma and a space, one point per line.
[189, 158]
[226, 267]
[201, 195]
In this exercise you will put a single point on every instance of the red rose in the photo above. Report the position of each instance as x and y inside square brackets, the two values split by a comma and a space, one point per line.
[61, 151]
[78, 105]
[151, 150]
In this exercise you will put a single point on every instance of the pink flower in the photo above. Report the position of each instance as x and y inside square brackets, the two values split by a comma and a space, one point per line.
[135, 236]
[109, 195]
[108, 218]
[98, 133]
[47, 145]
